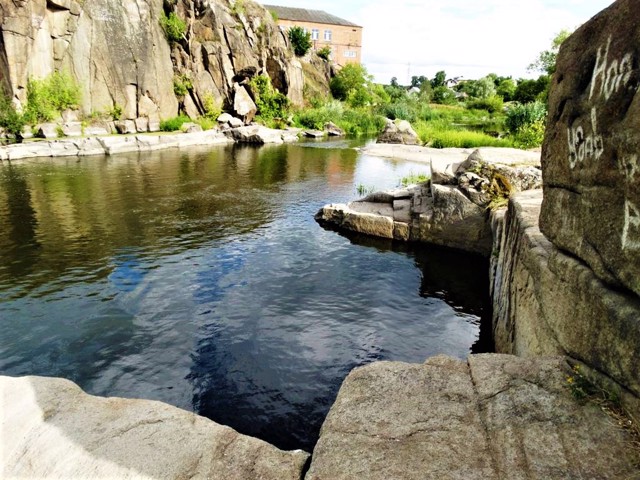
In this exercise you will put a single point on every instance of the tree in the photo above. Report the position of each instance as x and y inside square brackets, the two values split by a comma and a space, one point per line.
[439, 80]
[394, 82]
[443, 95]
[300, 40]
[546, 61]
[531, 90]
[351, 82]
[483, 88]
[506, 89]
[418, 81]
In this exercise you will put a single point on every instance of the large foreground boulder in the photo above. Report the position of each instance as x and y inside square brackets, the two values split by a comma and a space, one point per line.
[591, 150]
[492, 417]
[52, 429]
[399, 131]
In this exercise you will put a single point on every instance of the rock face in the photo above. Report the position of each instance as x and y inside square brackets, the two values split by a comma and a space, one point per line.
[591, 151]
[493, 417]
[450, 210]
[546, 302]
[120, 56]
[52, 429]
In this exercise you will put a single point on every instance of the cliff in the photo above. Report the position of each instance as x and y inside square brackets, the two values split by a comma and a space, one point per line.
[119, 53]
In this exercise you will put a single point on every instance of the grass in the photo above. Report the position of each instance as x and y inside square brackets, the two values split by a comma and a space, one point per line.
[442, 134]
[354, 121]
[363, 190]
[414, 179]
[174, 124]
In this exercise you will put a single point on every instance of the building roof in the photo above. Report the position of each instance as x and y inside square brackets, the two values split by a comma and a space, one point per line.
[305, 15]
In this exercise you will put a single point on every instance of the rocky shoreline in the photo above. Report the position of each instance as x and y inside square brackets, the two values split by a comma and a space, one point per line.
[146, 142]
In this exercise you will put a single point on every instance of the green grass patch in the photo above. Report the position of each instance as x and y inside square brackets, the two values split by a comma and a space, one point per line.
[441, 134]
[174, 124]
[354, 121]
[414, 179]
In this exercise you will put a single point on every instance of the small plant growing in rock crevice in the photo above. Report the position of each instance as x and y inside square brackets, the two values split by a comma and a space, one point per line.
[181, 85]
[174, 27]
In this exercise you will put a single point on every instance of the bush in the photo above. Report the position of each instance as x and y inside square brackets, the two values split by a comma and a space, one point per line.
[300, 40]
[174, 124]
[530, 136]
[444, 95]
[270, 102]
[48, 97]
[10, 120]
[174, 27]
[212, 109]
[181, 85]
[522, 115]
[324, 53]
[490, 104]
[350, 78]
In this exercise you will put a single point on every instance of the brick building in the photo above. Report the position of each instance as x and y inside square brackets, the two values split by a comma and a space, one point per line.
[342, 36]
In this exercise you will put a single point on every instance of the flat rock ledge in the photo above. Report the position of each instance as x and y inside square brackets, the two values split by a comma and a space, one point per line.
[114, 144]
[52, 429]
[452, 209]
[491, 417]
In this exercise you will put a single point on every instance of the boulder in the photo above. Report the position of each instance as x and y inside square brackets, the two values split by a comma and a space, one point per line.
[52, 429]
[243, 105]
[190, 127]
[255, 134]
[125, 126]
[95, 131]
[142, 124]
[399, 132]
[332, 130]
[590, 155]
[72, 129]
[363, 217]
[489, 418]
[313, 133]
[47, 130]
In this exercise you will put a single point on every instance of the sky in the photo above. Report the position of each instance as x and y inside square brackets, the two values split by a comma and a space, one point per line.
[467, 38]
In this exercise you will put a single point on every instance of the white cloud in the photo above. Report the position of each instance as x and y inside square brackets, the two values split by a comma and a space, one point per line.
[463, 37]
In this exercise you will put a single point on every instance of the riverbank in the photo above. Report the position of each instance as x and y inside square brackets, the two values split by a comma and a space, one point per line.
[145, 142]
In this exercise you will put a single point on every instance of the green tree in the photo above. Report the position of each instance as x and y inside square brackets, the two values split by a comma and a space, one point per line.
[300, 40]
[439, 80]
[418, 81]
[443, 95]
[546, 61]
[350, 78]
[483, 88]
[529, 91]
[506, 89]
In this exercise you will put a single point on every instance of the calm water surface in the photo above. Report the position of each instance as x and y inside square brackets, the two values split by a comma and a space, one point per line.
[201, 279]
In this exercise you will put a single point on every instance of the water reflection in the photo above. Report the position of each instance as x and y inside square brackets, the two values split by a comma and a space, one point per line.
[200, 279]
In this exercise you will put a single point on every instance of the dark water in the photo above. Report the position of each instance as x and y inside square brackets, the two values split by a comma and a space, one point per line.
[202, 280]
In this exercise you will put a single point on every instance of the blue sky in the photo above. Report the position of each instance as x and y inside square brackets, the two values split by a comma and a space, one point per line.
[463, 37]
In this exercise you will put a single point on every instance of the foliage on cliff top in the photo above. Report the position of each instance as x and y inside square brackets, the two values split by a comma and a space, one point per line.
[300, 40]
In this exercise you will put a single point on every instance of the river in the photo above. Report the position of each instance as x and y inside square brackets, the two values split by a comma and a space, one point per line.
[200, 278]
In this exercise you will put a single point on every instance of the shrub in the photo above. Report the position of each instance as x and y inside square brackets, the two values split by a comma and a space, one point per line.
[48, 97]
[270, 102]
[491, 104]
[181, 85]
[444, 95]
[174, 27]
[300, 40]
[174, 124]
[10, 120]
[530, 136]
[212, 109]
[324, 53]
[350, 78]
[116, 112]
[522, 115]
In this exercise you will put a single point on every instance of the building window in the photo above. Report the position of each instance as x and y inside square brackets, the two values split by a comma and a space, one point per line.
[350, 54]
[327, 35]
[315, 34]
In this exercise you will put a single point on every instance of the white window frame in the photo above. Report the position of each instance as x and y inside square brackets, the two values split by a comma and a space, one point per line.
[350, 54]
[315, 34]
[327, 35]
